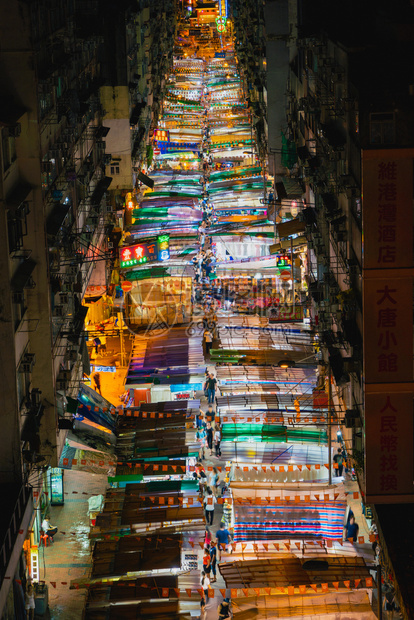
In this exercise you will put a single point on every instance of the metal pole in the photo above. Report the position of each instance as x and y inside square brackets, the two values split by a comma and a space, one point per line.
[379, 591]
[330, 422]
[121, 335]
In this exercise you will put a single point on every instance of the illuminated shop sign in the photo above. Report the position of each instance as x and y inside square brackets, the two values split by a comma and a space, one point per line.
[161, 135]
[283, 261]
[147, 252]
[221, 24]
[130, 202]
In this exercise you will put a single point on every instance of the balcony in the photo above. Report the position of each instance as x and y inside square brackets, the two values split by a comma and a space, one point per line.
[15, 518]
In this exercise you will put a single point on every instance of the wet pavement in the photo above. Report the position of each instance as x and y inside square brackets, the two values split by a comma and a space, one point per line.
[69, 557]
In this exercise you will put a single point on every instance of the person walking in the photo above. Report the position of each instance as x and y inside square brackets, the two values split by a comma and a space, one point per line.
[30, 604]
[201, 436]
[202, 234]
[211, 388]
[224, 610]
[201, 476]
[210, 415]
[213, 556]
[338, 463]
[215, 481]
[208, 341]
[217, 440]
[209, 503]
[96, 343]
[205, 583]
[223, 538]
[352, 529]
[208, 539]
[203, 612]
[209, 437]
[97, 382]
[207, 561]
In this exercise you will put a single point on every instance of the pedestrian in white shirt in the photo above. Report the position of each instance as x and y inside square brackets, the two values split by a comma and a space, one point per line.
[209, 503]
[205, 584]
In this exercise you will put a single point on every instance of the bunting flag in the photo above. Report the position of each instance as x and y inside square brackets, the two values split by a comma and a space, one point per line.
[166, 592]
[283, 468]
[297, 499]
[251, 546]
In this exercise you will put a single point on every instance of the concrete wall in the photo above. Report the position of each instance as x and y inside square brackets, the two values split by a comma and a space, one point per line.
[277, 55]
[115, 102]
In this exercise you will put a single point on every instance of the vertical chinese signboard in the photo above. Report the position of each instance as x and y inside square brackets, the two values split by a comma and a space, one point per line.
[387, 178]
[389, 431]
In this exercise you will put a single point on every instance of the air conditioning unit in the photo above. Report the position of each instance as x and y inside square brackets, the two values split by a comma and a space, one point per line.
[92, 220]
[27, 363]
[59, 310]
[64, 375]
[337, 76]
[18, 297]
[352, 419]
[350, 364]
[14, 130]
[61, 385]
[352, 192]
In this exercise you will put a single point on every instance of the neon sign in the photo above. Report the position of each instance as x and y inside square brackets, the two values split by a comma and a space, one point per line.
[147, 252]
[161, 135]
[221, 24]
[283, 261]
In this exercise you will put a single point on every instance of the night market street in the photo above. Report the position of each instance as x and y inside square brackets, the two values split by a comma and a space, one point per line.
[206, 323]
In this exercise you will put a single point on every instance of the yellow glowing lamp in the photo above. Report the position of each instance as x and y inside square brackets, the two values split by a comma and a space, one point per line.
[130, 203]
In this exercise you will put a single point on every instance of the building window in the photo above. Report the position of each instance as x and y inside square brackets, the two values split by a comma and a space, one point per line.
[19, 308]
[114, 168]
[17, 226]
[382, 128]
[8, 145]
[23, 385]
